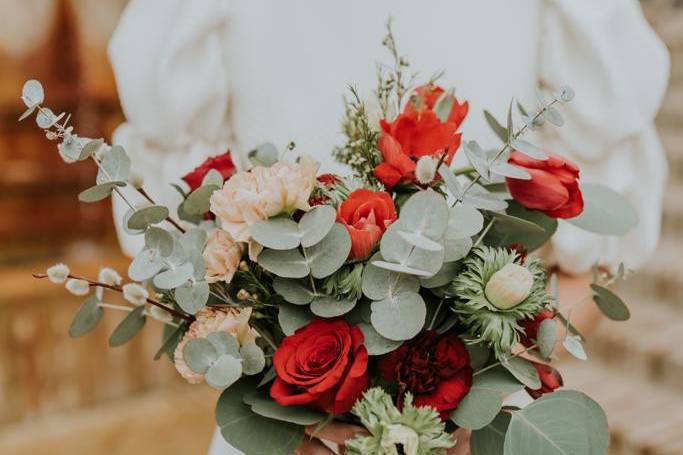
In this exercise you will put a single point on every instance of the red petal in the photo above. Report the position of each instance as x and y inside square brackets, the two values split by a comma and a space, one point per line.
[543, 192]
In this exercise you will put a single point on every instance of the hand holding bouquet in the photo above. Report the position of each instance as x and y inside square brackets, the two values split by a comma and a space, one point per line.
[404, 298]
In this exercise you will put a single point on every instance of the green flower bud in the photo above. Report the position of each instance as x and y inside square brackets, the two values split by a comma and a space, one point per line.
[509, 286]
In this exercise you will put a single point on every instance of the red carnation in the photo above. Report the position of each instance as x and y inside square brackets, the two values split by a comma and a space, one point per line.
[553, 188]
[323, 365]
[222, 163]
[531, 327]
[415, 133]
[435, 369]
[551, 380]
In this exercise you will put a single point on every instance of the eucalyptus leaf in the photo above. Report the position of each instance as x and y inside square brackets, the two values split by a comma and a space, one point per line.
[464, 221]
[547, 336]
[171, 337]
[293, 291]
[378, 283]
[530, 228]
[224, 372]
[327, 256]
[605, 211]
[129, 327]
[495, 125]
[279, 233]
[285, 264]
[192, 297]
[224, 343]
[456, 249]
[330, 307]
[114, 166]
[529, 149]
[86, 318]
[90, 149]
[264, 155]
[174, 277]
[574, 346]
[554, 116]
[490, 440]
[509, 170]
[479, 198]
[450, 180]
[299, 415]
[316, 224]
[45, 118]
[610, 304]
[293, 317]
[146, 216]
[375, 343]
[199, 354]
[479, 355]
[32, 93]
[159, 240]
[400, 317]
[444, 105]
[253, 359]
[199, 201]
[98, 192]
[523, 370]
[213, 177]
[477, 158]
[145, 265]
[419, 240]
[445, 275]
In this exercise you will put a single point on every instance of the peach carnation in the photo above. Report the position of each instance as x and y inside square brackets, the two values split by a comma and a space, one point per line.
[222, 256]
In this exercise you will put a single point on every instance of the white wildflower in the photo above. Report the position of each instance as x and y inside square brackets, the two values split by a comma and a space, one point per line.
[425, 169]
[58, 273]
[77, 287]
[159, 314]
[135, 294]
[109, 276]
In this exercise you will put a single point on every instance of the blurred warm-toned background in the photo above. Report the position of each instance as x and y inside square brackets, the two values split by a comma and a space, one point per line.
[65, 396]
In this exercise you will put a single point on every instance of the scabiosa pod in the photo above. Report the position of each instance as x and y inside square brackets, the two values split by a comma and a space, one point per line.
[494, 292]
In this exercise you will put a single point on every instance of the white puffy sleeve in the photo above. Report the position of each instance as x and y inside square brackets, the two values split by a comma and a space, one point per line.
[619, 69]
[169, 60]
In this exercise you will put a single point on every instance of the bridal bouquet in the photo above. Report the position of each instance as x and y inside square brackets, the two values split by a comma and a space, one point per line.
[404, 298]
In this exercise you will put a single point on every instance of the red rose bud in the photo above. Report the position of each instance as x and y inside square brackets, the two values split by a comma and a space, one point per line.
[323, 365]
[553, 188]
[222, 163]
[531, 327]
[435, 369]
[551, 380]
[366, 215]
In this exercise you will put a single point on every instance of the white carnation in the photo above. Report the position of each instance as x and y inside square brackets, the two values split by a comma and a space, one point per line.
[77, 287]
[58, 273]
[425, 170]
[109, 276]
[135, 294]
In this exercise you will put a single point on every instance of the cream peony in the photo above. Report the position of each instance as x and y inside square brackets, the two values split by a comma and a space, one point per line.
[222, 256]
[235, 321]
[263, 192]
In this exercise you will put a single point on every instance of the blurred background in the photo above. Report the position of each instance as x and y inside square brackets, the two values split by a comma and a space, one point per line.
[65, 396]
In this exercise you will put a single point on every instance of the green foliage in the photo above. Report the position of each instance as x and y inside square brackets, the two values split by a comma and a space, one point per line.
[293, 317]
[490, 440]
[86, 318]
[345, 282]
[264, 155]
[605, 211]
[266, 407]
[610, 304]
[99, 192]
[375, 343]
[130, 326]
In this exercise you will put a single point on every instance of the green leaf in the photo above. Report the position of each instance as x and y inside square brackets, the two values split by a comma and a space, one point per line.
[477, 158]
[32, 93]
[129, 327]
[456, 249]
[224, 372]
[300, 415]
[90, 148]
[327, 256]
[199, 201]
[199, 354]
[490, 440]
[192, 297]
[245, 430]
[480, 198]
[523, 370]
[171, 336]
[399, 317]
[610, 304]
[464, 221]
[375, 343]
[450, 180]
[146, 216]
[160, 240]
[316, 224]
[253, 360]
[114, 167]
[293, 317]
[400, 256]
[425, 213]
[98, 192]
[145, 265]
[329, 307]
[264, 155]
[444, 105]
[293, 291]
[532, 239]
[605, 211]
[380, 283]
[509, 170]
[444, 276]
[213, 177]
[279, 233]
[479, 355]
[529, 149]
[554, 116]
[561, 423]
[86, 318]
[547, 336]
[285, 264]
[497, 128]
[510, 127]
[574, 346]
[224, 343]
[172, 278]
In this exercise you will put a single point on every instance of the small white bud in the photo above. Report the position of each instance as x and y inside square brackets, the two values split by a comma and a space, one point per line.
[136, 179]
[243, 294]
[77, 287]
[509, 286]
[159, 314]
[135, 294]
[425, 169]
[109, 276]
[58, 273]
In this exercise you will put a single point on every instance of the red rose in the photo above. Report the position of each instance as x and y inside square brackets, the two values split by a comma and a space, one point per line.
[366, 215]
[222, 163]
[415, 133]
[435, 369]
[323, 365]
[553, 188]
[531, 327]
[551, 380]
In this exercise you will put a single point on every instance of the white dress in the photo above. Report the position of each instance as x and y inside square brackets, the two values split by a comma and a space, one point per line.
[198, 76]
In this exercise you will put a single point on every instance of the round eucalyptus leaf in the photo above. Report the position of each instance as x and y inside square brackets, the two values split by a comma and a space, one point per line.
[32, 93]
[400, 317]
[293, 317]
[179, 255]
[491, 439]
[124, 223]
[524, 371]
[530, 228]
[400, 256]
[253, 359]
[398, 268]
[477, 158]
[479, 355]
[98, 192]
[224, 343]
[456, 249]
[464, 221]
[46, 118]
[426, 213]
[419, 240]
[285, 264]
[172, 278]
[145, 265]
[86, 318]
[299, 415]
[264, 155]
[129, 327]
[561, 423]
[90, 148]
[192, 297]
[610, 304]
[213, 177]
[159, 240]
[199, 354]
[554, 116]
[199, 201]
[146, 216]
[224, 372]
[445, 275]
[194, 239]
[450, 180]
[379, 283]
[316, 224]
[114, 166]
[529, 150]
[327, 256]
[393, 247]
[375, 343]
[279, 233]
[70, 148]
[329, 307]
[480, 198]
[547, 336]
[293, 291]
[509, 170]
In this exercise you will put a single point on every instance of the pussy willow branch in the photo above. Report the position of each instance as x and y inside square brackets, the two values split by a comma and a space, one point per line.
[172, 311]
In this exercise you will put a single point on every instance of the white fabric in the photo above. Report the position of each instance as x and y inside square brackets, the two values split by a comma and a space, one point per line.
[197, 75]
